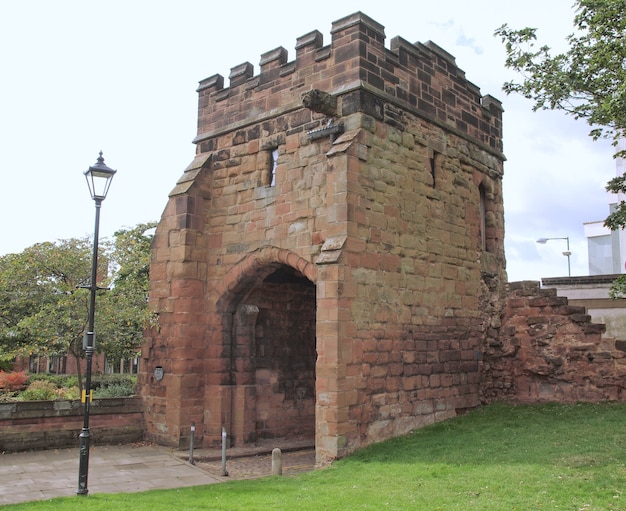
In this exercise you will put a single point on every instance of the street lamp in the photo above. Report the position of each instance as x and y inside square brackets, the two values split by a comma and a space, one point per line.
[99, 178]
[567, 253]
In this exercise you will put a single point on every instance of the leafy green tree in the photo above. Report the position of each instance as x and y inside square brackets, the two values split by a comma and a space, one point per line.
[45, 306]
[588, 81]
[17, 300]
[123, 311]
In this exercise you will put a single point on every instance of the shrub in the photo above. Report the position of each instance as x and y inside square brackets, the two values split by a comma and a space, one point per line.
[116, 390]
[69, 393]
[102, 381]
[124, 388]
[59, 380]
[40, 391]
[5, 395]
[13, 381]
[113, 385]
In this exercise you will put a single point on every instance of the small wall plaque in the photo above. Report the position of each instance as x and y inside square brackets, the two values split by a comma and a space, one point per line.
[158, 373]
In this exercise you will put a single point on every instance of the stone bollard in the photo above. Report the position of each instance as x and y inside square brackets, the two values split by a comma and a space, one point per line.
[224, 471]
[277, 462]
[193, 430]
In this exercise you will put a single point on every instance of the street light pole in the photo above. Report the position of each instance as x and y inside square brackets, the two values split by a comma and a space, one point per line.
[99, 178]
[567, 253]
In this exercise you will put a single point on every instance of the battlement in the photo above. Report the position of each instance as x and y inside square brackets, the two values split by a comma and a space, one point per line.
[421, 78]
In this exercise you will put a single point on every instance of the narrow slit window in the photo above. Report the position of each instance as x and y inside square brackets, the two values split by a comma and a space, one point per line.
[433, 167]
[273, 162]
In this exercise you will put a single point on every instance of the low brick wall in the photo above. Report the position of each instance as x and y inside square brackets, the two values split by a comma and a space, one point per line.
[30, 425]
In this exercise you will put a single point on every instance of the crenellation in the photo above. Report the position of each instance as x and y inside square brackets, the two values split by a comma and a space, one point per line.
[287, 68]
[492, 105]
[252, 83]
[278, 56]
[423, 77]
[405, 50]
[273, 65]
[220, 95]
[437, 50]
[240, 74]
[313, 40]
[216, 81]
[323, 53]
[358, 22]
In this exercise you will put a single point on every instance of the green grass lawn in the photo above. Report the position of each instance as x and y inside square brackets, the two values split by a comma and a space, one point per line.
[499, 457]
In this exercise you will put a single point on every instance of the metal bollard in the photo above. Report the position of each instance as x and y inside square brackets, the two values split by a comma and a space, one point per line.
[193, 430]
[277, 462]
[224, 471]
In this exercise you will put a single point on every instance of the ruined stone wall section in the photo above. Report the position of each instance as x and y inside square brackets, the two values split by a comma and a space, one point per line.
[420, 78]
[547, 350]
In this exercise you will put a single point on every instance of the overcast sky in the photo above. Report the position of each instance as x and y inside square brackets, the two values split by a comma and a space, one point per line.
[121, 76]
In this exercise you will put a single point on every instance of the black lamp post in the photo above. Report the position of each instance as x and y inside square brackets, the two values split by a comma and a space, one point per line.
[99, 178]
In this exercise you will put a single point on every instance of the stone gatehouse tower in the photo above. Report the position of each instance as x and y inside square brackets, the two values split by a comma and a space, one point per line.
[322, 266]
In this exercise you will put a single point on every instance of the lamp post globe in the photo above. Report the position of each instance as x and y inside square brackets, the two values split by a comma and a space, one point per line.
[98, 178]
[566, 253]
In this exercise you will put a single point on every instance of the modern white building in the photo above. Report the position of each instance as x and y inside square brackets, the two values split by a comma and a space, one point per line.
[606, 248]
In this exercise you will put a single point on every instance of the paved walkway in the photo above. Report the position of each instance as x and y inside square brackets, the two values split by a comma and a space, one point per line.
[43, 475]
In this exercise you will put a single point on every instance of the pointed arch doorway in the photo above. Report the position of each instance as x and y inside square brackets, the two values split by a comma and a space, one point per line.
[270, 356]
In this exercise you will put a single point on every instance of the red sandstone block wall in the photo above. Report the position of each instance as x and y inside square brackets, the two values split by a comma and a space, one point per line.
[416, 274]
[548, 350]
[384, 219]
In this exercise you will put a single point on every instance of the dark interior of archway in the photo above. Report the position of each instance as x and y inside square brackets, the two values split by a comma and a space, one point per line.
[287, 274]
[285, 355]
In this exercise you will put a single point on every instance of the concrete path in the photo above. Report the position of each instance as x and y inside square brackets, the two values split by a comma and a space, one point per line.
[43, 475]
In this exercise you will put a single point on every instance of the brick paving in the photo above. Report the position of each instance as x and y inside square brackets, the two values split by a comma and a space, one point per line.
[253, 467]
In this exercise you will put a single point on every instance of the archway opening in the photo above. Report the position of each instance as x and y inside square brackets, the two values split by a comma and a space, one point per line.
[274, 358]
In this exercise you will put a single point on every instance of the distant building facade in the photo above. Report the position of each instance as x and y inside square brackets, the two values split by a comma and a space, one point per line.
[66, 365]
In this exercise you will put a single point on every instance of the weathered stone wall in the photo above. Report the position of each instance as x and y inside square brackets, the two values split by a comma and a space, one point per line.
[385, 216]
[31, 425]
[548, 350]
[417, 270]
